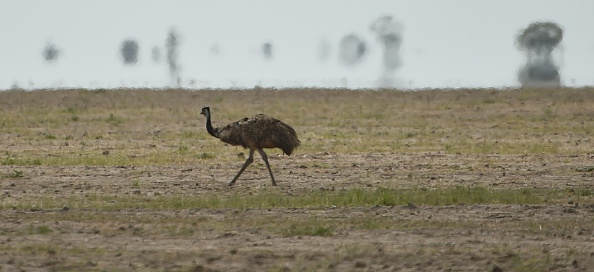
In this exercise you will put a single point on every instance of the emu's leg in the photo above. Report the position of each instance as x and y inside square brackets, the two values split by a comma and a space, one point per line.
[265, 158]
[249, 161]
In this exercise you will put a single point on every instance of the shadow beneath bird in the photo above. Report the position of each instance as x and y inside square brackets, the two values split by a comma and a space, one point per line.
[255, 133]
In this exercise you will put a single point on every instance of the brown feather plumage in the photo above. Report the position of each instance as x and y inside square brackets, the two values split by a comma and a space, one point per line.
[256, 133]
[259, 131]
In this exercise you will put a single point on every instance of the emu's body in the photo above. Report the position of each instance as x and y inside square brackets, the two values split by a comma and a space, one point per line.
[256, 133]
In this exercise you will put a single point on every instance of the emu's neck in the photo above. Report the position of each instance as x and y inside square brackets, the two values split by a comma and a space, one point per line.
[209, 127]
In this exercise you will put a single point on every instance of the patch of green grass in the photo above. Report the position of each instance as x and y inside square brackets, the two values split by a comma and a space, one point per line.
[182, 148]
[439, 196]
[41, 229]
[547, 115]
[114, 120]
[488, 100]
[136, 183]
[312, 227]
[316, 199]
[16, 174]
[9, 160]
[38, 249]
[585, 169]
[525, 263]
[34, 162]
[205, 156]
[180, 231]
[188, 134]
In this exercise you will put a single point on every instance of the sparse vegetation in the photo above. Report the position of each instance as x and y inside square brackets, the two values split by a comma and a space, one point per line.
[457, 195]
[526, 122]
[205, 156]
[40, 229]
[312, 227]
[120, 180]
[15, 174]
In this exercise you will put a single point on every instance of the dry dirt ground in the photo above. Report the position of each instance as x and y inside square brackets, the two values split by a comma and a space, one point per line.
[551, 237]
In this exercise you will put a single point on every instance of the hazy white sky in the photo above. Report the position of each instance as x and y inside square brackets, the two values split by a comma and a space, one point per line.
[454, 43]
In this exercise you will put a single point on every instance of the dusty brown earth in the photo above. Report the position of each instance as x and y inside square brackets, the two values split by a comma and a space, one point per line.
[551, 237]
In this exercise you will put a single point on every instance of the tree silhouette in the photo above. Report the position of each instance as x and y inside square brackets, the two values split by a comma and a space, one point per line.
[50, 53]
[538, 41]
[267, 50]
[129, 52]
[352, 49]
[172, 45]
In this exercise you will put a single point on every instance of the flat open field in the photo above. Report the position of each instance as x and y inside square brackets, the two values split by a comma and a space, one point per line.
[455, 180]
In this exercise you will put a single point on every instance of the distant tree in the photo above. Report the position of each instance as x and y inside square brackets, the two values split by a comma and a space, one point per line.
[389, 32]
[50, 53]
[352, 49]
[541, 37]
[129, 52]
[538, 41]
[267, 50]
[172, 46]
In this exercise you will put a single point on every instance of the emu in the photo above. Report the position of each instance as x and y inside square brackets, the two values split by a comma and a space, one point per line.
[256, 133]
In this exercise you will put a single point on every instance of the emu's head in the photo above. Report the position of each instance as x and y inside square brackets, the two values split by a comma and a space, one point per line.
[205, 111]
